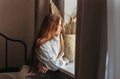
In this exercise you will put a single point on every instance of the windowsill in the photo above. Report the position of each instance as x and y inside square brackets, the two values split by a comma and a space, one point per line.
[69, 69]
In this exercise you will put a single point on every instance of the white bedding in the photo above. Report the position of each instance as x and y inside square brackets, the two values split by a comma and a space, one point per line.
[16, 75]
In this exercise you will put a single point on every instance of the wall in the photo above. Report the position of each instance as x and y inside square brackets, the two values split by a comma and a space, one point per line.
[17, 21]
[113, 39]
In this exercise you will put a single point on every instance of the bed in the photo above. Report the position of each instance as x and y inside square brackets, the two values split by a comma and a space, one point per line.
[18, 72]
[4, 52]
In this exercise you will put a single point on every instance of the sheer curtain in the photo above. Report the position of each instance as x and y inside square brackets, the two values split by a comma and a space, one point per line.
[113, 7]
[91, 39]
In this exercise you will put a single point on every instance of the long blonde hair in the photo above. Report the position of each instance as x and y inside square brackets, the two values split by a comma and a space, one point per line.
[48, 28]
[47, 32]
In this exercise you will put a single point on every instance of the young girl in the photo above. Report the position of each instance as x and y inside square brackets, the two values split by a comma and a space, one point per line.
[47, 54]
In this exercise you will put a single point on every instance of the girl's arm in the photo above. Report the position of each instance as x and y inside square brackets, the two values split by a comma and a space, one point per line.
[50, 61]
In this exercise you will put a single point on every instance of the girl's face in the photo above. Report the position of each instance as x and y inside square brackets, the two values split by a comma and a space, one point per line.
[59, 29]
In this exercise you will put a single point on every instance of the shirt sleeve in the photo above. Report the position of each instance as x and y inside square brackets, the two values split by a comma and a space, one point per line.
[46, 56]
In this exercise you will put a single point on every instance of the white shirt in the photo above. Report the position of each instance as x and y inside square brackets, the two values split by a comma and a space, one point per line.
[48, 54]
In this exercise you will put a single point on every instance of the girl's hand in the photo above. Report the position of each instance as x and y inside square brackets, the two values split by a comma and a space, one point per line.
[65, 59]
[43, 69]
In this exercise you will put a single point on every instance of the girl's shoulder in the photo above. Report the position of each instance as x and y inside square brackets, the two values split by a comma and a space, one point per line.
[41, 41]
[44, 44]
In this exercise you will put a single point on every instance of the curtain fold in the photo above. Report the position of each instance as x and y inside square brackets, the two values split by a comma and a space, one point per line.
[60, 5]
[41, 9]
[91, 39]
